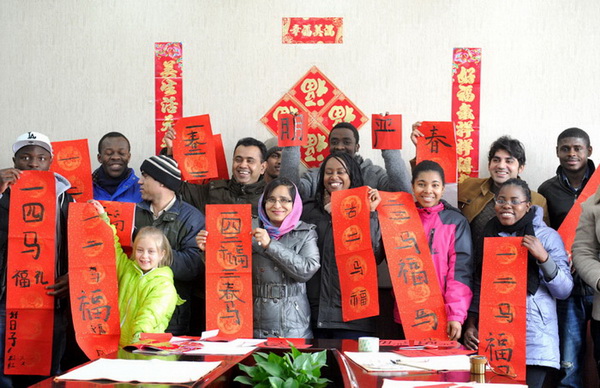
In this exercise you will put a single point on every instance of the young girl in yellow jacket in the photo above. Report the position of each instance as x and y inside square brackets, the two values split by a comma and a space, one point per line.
[147, 296]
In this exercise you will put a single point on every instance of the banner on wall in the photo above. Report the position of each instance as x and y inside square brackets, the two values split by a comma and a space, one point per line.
[466, 85]
[312, 30]
[72, 160]
[168, 84]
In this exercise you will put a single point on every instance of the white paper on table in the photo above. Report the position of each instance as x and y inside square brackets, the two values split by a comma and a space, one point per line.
[382, 361]
[415, 384]
[144, 371]
[232, 348]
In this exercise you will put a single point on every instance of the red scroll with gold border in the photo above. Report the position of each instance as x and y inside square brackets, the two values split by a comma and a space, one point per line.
[466, 85]
[386, 132]
[93, 281]
[415, 282]
[569, 225]
[168, 83]
[503, 305]
[229, 270]
[72, 160]
[351, 217]
[30, 269]
[194, 148]
[438, 145]
[312, 30]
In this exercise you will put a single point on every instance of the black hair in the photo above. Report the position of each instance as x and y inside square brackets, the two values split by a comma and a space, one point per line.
[428, 165]
[518, 182]
[283, 181]
[252, 142]
[349, 126]
[352, 168]
[512, 146]
[574, 132]
[113, 134]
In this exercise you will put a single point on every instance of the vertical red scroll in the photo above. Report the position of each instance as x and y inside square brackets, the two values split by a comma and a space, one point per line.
[354, 257]
[30, 268]
[229, 270]
[93, 281]
[194, 148]
[503, 306]
[466, 85]
[415, 282]
[72, 160]
[439, 145]
[168, 61]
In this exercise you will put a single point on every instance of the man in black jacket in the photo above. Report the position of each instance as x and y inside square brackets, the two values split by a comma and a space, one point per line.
[561, 191]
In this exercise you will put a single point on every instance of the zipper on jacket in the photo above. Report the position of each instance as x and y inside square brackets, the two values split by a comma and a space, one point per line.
[431, 234]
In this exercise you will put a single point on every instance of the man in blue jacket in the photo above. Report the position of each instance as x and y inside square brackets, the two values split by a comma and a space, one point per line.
[114, 180]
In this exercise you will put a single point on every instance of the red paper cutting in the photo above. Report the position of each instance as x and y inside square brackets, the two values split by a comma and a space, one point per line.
[121, 215]
[93, 281]
[569, 225]
[229, 270]
[30, 269]
[168, 83]
[351, 217]
[194, 148]
[291, 130]
[72, 160]
[502, 311]
[466, 85]
[221, 160]
[386, 132]
[312, 30]
[439, 145]
[414, 279]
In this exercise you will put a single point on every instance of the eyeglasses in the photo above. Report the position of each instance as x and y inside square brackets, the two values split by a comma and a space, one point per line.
[514, 201]
[282, 201]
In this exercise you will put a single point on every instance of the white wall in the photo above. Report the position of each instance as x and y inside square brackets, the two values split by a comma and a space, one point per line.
[80, 68]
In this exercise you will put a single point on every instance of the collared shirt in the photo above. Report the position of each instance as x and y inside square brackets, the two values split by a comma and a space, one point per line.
[564, 178]
[169, 205]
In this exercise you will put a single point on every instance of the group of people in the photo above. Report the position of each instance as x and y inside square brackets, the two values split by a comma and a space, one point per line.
[296, 287]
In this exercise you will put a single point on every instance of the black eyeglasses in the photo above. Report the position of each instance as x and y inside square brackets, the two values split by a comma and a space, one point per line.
[282, 201]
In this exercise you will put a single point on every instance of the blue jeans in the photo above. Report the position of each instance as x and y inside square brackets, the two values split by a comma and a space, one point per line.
[574, 313]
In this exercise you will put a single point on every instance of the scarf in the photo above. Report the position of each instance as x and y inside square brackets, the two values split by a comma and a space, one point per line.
[106, 182]
[522, 227]
[289, 223]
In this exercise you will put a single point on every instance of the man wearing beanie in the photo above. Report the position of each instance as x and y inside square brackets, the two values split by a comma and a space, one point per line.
[180, 222]
[33, 151]
[273, 160]
[344, 138]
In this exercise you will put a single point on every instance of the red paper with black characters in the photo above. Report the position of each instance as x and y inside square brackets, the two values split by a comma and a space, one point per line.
[221, 160]
[121, 215]
[194, 148]
[569, 224]
[503, 305]
[229, 270]
[72, 160]
[357, 269]
[291, 130]
[168, 88]
[439, 145]
[386, 132]
[31, 267]
[93, 281]
[466, 95]
[414, 279]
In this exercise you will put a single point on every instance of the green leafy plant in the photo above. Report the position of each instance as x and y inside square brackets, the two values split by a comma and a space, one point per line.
[293, 370]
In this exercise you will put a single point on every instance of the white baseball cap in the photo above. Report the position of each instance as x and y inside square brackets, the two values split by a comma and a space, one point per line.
[32, 138]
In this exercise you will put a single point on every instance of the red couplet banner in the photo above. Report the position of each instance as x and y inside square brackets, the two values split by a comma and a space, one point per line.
[121, 215]
[569, 225]
[72, 160]
[439, 145]
[312, 30]
[291, 130]
[503, 306]
[168, 83]
[30, 268]
[229, 270]
[416, 288]
[466, 87]
[194, 148]
[93, 281]
[386, 132]
[356, 264]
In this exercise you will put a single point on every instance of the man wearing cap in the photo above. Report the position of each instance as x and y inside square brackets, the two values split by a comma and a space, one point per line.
[33, 151]
[273, 163]
[114, 180]
[344, 138]
[180, 222]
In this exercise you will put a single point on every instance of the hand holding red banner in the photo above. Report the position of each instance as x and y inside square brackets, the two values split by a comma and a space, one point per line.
[121, 215]
[386, 132]
[291, 130]
[72, 160]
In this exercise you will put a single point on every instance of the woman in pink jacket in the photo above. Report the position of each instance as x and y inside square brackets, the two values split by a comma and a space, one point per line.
[449, 238]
